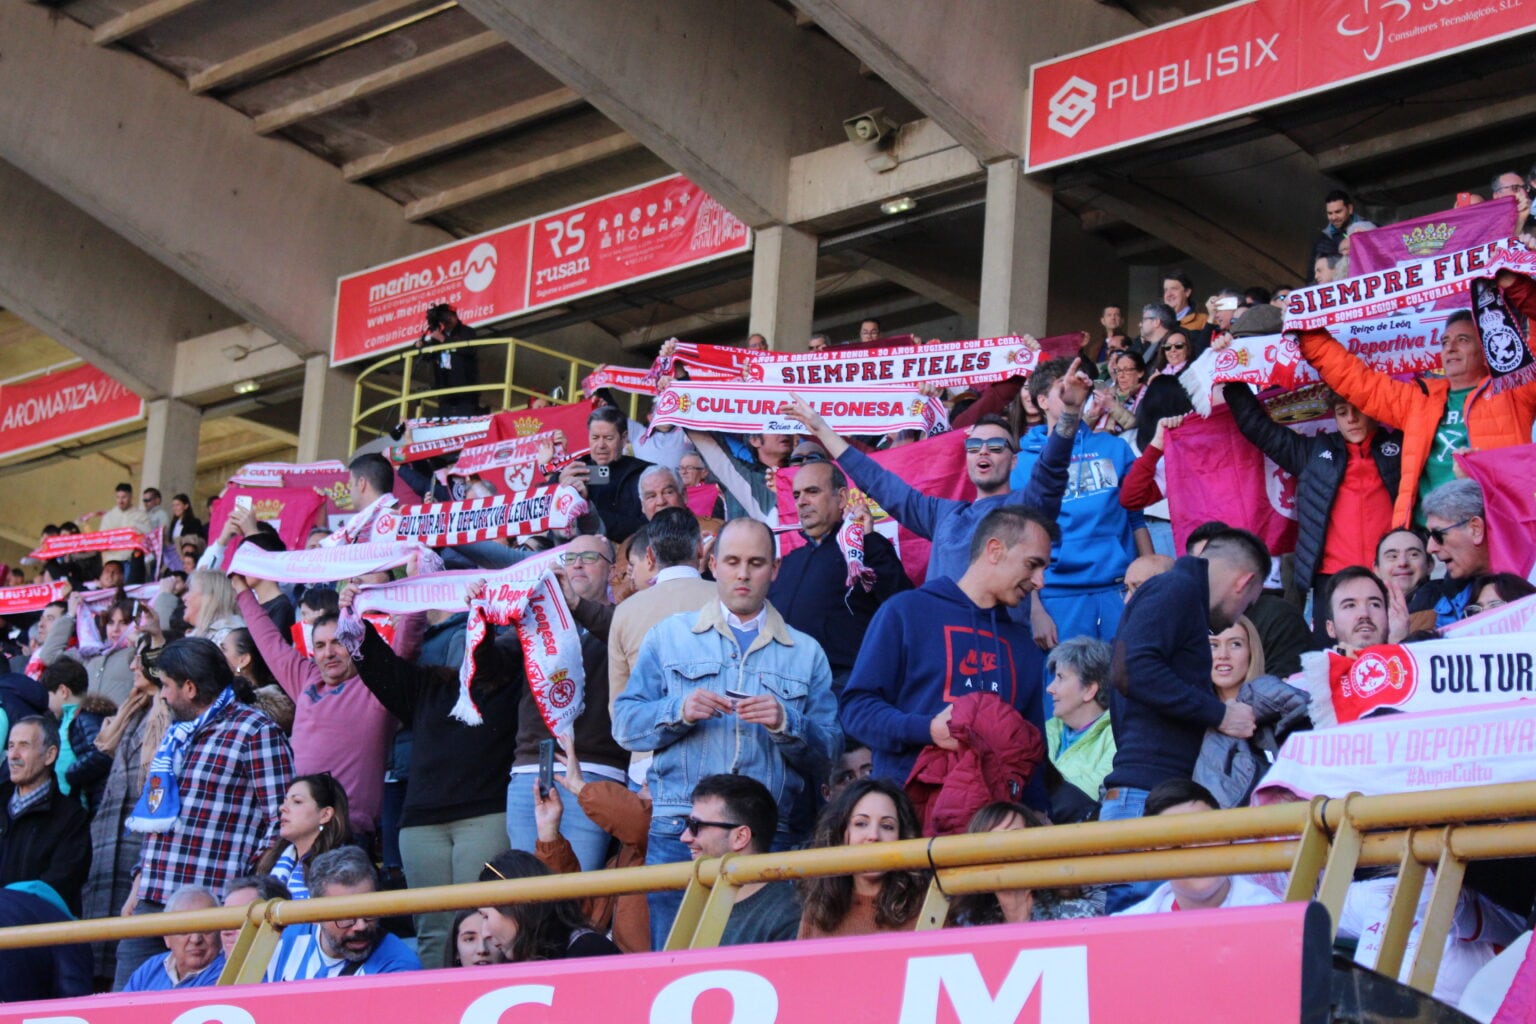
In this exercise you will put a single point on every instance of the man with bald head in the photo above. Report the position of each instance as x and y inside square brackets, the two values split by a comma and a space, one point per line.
[727, 688]
[1142, 569]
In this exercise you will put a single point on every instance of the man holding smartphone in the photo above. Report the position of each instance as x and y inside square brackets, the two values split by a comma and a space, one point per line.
[611, 478]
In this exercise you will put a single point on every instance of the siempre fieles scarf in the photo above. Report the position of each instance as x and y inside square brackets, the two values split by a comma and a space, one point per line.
[159, 805]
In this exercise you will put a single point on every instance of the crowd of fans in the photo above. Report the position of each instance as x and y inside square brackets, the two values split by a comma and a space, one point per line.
[744, 693]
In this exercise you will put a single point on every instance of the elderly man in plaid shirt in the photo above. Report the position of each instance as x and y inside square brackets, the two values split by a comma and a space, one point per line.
[210, 802]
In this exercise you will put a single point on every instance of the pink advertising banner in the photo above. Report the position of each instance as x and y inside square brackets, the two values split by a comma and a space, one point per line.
[1238, 58]
[1127, 970]
[613, 240]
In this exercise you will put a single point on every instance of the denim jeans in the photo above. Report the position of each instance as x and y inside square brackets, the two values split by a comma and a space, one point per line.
[589, 842]
[664, 847]
[1127, 802]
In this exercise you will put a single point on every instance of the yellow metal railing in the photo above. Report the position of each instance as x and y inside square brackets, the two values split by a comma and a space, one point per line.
[1320, 843]
[379, 400]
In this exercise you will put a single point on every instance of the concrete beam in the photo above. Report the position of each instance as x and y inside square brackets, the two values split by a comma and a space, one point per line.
[783, 287]
[137, 20]
[171, 447]
[1015, 253]
[214, 362]
[908, 267]
[93, 292]
[965, 63]
[1474, 119]
[502, 119]
[259, 225]
[388, 77]
[724, 92]
[836, 179]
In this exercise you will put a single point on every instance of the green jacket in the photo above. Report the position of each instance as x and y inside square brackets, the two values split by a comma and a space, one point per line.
[1087, 761]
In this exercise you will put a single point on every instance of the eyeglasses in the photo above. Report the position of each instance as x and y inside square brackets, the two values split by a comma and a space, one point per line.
[584, 557]
[800, 460]
[1438, 536]
[990, 445]
[1516, 189]
[1474, 609]
[695, 825]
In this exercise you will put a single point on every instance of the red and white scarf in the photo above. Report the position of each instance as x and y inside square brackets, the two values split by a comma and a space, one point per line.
[362, 528]
[444, 591]
[30, 597]
[942, 364]
[441, 524]
[754, 408]
[551, 648]
[270, 474]
[850, 541]
[327, 565]
[100, 540]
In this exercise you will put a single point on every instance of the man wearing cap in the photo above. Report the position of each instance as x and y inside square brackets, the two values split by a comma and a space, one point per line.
[820, 589]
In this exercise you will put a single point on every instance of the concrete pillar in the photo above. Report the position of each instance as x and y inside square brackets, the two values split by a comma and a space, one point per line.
[1144, 284]
[325, 418]
[783, 287]
[1015, 253]
[170, 446]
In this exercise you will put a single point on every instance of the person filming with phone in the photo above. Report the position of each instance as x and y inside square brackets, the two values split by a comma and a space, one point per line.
[609, 478]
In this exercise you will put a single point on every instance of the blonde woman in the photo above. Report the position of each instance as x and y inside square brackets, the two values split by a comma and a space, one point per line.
[211, 609]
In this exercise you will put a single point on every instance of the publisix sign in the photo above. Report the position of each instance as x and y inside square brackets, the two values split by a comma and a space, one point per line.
[556, 257]
[1240, 58]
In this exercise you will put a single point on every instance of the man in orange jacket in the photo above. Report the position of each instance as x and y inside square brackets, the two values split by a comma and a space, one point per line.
[1438, 416]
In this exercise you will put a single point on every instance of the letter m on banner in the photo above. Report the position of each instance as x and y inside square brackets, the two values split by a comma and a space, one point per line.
[1059, 975]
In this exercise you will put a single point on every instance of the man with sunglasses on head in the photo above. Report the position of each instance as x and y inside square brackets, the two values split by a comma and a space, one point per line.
[990, 447]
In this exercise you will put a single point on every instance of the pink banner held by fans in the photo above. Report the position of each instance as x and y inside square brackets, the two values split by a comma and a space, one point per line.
[1250, 491]
[1508, 479]
[943, 364]
[740, 408]
[1128, 970]
[1407, 241]
[934, 466]
[30, 597]
[1238, 58]
[292, 511]
[1433, 675]
[80, 543]
[321, 565]
[55, 407]
[1407, 754]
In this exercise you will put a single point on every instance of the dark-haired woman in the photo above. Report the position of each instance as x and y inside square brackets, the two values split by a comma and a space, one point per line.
[867, 811]
[312, 821]
[551, 930]
[1013, 906]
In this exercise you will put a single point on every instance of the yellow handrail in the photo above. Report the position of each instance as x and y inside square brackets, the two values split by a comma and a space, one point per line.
[402, 398]
[1444, 828]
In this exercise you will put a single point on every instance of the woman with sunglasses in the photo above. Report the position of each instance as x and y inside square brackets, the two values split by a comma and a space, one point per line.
[1174, 354]
[128, 741]
[312, 821]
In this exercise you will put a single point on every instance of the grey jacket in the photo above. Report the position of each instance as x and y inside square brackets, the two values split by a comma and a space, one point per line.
[1231, 768]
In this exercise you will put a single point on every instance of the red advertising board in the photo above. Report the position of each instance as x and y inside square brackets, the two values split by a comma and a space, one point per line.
[627, 237]
[378, 310]
[1239, 58]
[615, 239]
[1259, 965]
[55, 407]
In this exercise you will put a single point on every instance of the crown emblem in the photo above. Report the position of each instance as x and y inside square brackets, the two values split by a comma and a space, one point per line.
[526, 426]
[917, 406]
[683, 403]
[1428, 239]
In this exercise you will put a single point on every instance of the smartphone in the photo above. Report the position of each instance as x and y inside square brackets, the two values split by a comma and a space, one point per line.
[737, 695]
[599, 476]
[1226, 303]
[243, 501]
[546, 768]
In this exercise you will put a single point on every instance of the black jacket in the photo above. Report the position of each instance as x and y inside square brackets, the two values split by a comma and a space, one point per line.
[40, 972]
[21, 697]
[812, 594]
[88, 775]
[50, 842]
[618, 501]
[1161, 698]
[1318, 464]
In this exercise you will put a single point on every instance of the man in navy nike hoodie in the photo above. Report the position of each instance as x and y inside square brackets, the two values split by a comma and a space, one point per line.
[927, 648]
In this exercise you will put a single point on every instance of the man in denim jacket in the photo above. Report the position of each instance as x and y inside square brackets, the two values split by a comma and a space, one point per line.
[727, 689]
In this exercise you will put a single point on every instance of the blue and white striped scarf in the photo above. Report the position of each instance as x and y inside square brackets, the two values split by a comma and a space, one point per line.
[159, 806]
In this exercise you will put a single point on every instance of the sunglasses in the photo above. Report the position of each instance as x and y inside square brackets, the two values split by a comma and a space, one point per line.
[696, 825]
[800, 460]
[1175, 348]
[1438, 536]
[990, 445]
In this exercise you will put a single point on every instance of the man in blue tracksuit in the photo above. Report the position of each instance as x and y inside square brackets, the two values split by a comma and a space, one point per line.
[1099, 538]
[929, 647]
[989, 460]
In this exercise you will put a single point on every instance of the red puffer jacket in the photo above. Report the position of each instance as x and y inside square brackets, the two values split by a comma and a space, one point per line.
[999, 752]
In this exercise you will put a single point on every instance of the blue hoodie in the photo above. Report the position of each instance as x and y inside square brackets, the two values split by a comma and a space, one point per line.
[1097, 534]
[926, 648]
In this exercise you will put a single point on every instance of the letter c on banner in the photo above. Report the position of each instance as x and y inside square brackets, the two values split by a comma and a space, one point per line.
[488, 1008]
[753, 998]
[217, 1013]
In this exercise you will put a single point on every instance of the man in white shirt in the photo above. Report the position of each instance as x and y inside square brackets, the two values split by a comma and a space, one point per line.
[120, 516]
[1181, 796]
